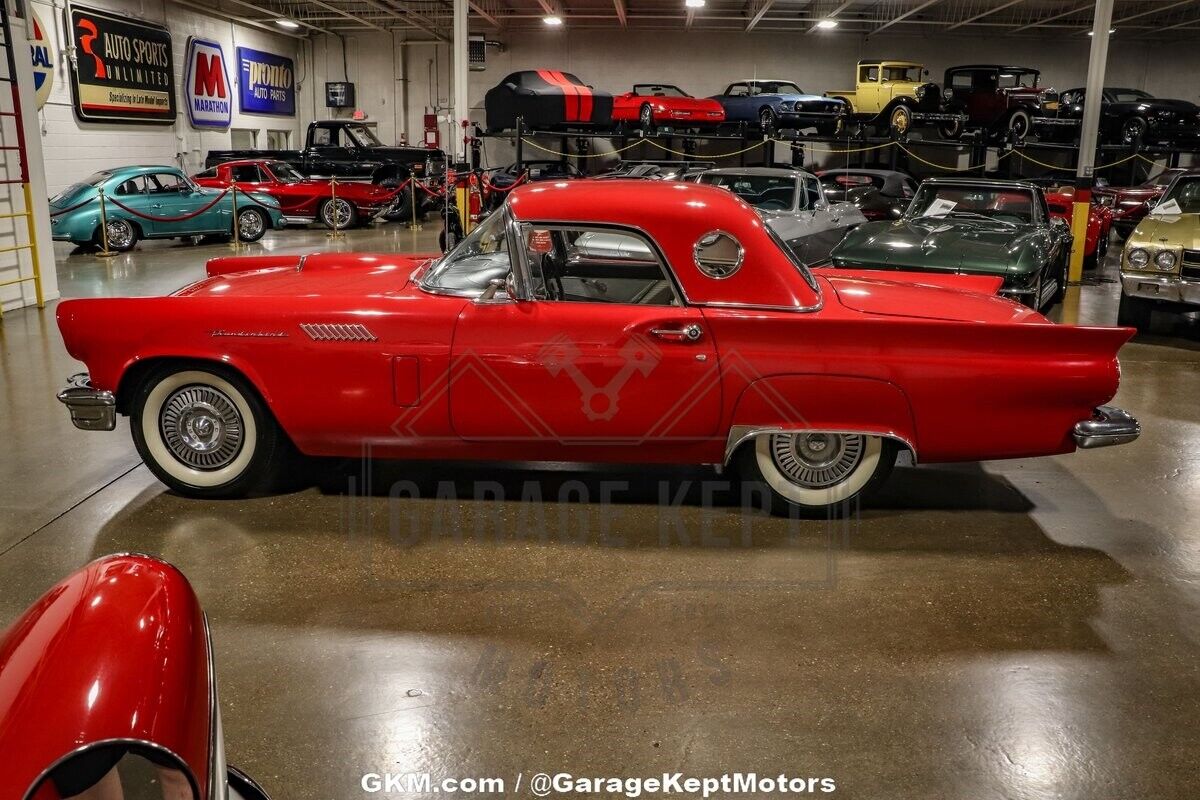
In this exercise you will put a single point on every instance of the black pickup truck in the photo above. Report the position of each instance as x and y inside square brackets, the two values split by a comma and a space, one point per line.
[350, 150]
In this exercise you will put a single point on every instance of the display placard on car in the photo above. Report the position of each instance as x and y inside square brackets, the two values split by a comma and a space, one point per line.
[265, 83]
[124, 70]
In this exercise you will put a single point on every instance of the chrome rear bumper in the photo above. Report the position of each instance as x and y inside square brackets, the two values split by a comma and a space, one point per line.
[91, 409]
[1107, 426]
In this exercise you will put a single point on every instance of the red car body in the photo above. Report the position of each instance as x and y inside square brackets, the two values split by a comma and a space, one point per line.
[301, 200]
[667, 105]
[1130, 204]
[1060, 200]
[347, 350]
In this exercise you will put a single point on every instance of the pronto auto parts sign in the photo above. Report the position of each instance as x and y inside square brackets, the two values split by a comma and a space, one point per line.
[123, 69]
[43, 59]
[265, 83]
[206, 85]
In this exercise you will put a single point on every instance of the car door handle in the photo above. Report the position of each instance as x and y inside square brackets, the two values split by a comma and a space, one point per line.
[688, 333]
[157, 205]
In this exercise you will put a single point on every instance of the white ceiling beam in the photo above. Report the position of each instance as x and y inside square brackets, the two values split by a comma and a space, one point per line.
[1042, 22]
[253, 23]
[1153, 11]
[342, 13]
[416, 20]
[274, 14]
[914, 10]
[983, 14]
[763, 8]
[619, 7]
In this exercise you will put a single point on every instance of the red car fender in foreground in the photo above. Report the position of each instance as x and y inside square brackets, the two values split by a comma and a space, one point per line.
[116, 653]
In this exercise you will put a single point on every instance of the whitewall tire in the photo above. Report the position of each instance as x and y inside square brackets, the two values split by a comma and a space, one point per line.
[205, 433]
[811, 473]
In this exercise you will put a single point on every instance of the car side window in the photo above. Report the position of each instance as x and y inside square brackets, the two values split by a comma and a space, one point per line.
[595, 265]
[812, 194]
[868, 74]
[738, 90]
[246, 173]
[166, 183]
[131, 187]
[324, 137]
[909, 188]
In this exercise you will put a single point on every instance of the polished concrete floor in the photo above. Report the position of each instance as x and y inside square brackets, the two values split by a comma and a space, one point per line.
[1028, 629]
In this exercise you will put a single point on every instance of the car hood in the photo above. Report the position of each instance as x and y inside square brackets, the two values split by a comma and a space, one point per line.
[1172, 230]
[955, 299]
[936, 244]
[318, 273]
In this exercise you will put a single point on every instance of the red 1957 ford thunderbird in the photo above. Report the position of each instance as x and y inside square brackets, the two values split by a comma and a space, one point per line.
[614, 321]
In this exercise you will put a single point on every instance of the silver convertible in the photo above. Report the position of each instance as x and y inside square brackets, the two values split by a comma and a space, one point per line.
[793, 205]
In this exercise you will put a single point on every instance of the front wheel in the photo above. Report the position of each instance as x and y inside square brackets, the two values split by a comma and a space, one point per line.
[766, 121]
[251, 224]
[952, 129]
[1135, 312]
[646, 118]
[1019, 124]
[814, 473]
[205, 433]
[1133, 130]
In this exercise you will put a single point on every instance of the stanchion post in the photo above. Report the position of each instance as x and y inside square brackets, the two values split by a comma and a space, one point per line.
[413, 225]
[236, 242]
[104, 251]
[336, 233]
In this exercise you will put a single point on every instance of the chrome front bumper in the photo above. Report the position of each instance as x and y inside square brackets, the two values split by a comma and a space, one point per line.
[1171, 288]
[1107, 426]
[91, 409]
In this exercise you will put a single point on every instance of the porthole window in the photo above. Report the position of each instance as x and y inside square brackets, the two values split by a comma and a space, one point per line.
[718, 255]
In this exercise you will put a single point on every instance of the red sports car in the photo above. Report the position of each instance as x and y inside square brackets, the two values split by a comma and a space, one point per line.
[653, 104]
[1061, 202]
[107, 690]
[302, 200]
[590, 321]
[1130, 203]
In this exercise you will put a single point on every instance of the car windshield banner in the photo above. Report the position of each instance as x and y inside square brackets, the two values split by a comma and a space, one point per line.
[265, 83]
[206, 87]
[124, 70]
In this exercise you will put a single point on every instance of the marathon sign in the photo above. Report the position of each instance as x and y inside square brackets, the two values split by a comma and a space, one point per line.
[209, 95]
[265, 83]
[124, 70]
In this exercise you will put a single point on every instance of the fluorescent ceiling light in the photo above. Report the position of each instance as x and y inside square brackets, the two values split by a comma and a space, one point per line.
[287, 23]
[1111, 31]
[827, 23]
[553, 20]
[694, 3]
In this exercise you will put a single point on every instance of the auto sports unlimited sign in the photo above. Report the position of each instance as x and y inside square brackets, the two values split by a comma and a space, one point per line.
[124, 71]
[43, 59]
[265, 83]
[209, 99]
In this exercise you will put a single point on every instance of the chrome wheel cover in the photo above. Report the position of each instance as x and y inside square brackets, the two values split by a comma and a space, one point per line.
[119, 233]
[202, 427]
[647, 117]
[250, 224]
[817, 460]
[765, 118]
[339, 208]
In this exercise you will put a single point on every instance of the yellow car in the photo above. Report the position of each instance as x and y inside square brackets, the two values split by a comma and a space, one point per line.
[1160, 266]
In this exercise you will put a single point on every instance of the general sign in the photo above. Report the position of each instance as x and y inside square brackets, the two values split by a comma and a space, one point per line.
[43, 59]
[209, 97]
[124, 70]
[265, 83]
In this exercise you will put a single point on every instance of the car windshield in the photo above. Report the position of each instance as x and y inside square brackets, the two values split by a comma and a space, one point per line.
[1013, 79]
[363, 136]
[285, 172]
[1129, 95]
[1186, 193]
[655, 90]
[767, 192]
[479, 259]
[909, 74]
[775, 87]
[1163, 178]
[1002, 203]
[851, 180]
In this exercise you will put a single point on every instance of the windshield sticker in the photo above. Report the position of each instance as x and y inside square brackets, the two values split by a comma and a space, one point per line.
[1169, 207]
[939, 208]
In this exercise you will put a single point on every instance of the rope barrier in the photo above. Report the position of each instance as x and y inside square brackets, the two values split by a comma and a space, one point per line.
[72, 208]
[629, 146]
[180, 218]
[944, 168]
[816, 149]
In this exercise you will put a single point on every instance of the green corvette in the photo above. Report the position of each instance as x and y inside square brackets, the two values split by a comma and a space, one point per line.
[972, 226]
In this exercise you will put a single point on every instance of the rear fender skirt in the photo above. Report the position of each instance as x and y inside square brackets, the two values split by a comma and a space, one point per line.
[740, 434]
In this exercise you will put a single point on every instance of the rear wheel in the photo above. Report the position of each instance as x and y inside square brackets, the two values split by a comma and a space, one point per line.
[401, 210]
[205, 433]
[1133, 130]
[1019, 124]
[1135, 312]
[122, 234]
[251, 224]
[900, 120]
[337, 211]
[814, 473]
[951, 129]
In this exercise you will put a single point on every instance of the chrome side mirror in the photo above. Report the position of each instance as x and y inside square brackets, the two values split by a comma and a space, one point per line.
[506, 284]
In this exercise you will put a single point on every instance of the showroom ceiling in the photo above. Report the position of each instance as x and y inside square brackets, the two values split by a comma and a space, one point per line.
[1131, 18]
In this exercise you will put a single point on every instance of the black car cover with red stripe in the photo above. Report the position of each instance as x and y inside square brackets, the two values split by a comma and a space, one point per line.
[546, 99]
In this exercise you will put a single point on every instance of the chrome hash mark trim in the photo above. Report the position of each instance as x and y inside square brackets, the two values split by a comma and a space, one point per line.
[338, 332]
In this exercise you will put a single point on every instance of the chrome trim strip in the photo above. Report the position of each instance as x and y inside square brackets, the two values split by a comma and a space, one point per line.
[91, 409]
[1107, 426]
[217, 779]
[740, 434]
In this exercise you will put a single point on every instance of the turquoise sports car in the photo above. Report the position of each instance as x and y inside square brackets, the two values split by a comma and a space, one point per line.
[154, 202]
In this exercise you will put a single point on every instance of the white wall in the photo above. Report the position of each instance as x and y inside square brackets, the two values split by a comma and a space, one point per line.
[75, 149]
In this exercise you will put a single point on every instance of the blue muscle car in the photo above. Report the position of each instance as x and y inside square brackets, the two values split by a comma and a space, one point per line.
[780, 104]
[152, 202]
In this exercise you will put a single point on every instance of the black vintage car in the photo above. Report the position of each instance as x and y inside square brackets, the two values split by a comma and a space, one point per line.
[878, 193]
[1000, 101]
[1126, 116]
[546, 99]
